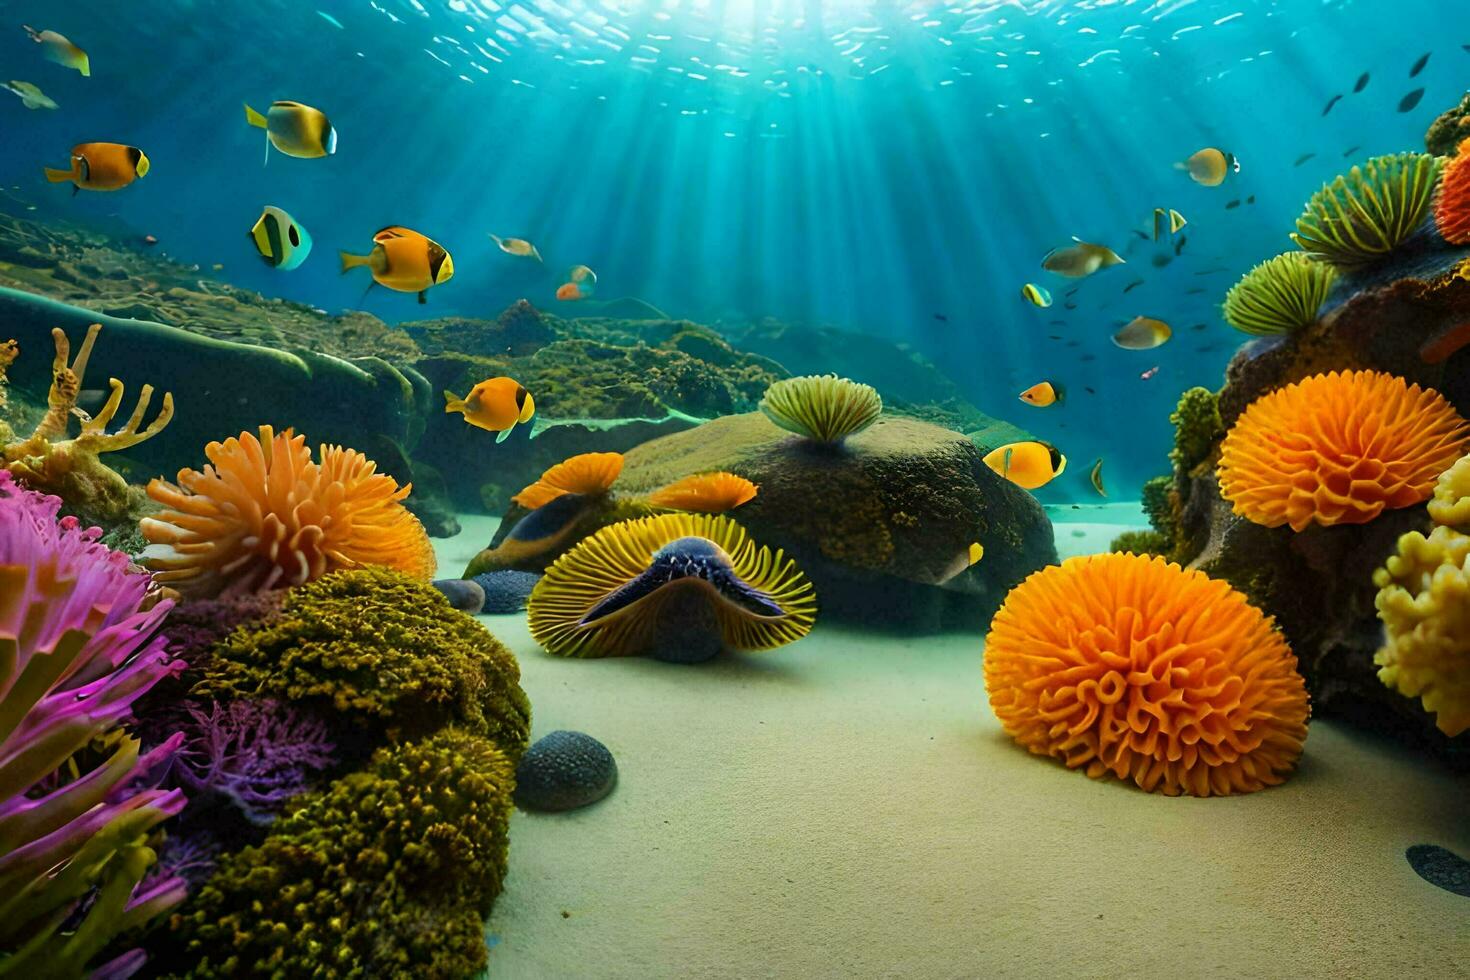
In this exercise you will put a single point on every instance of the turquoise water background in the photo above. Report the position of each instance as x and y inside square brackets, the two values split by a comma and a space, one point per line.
[871, 166]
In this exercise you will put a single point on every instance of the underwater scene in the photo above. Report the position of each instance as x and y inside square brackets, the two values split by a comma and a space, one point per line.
[562, 489]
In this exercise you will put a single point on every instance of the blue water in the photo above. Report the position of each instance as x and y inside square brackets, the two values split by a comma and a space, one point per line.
[858, 164]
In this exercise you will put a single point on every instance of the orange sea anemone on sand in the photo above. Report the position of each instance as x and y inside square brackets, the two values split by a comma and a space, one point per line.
[1130, 665]
[1452, 200]
[1338, 448]
[586, 473]
[264, 516]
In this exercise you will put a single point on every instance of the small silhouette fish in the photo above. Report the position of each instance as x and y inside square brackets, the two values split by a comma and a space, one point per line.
[1133, 285]
[1232, 205]
[1362, 83]
[1084, 358]
[1303, 159]
[941, 318]
[1196, 291]
[1179, 245]
[1408, 102]
[1351, 150]
[1198, 326]
[1330, 103]
[1160, 261]
[1419, 65]
[1251, 199]
[1090, 391]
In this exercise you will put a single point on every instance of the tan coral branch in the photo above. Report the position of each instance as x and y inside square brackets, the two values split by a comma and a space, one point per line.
[66, 383]
[94, 437]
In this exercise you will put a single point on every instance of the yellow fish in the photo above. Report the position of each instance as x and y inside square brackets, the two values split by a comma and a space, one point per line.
[965, 559]
[1081, 259]
[1143, 333]
[521, 248]
[101, 167]
[1036, 295]
[1169, 218]
[1042, 394]
[1210, 166]
[296, 130]
[404, 260]
[977, 551]
[1030, 465]
[495, 405]
[56, 48]
[1096, 477]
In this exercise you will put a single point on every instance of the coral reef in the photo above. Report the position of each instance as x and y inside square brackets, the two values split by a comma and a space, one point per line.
[1279, 295]
[1364, 215]
[1452, 202]
[1449, 129]
[563, 771]
[1145, 542]
[1338, 448]
[678, 587]
[1450, 504]
[263, 515]
[374, 649]
[506, 591]
[388, 872]
[1132, 666]
[822, 408]
[78, 802]
[1197, 428]
[71, 468]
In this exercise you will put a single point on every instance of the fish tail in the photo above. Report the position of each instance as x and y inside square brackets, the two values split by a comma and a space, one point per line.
[85, 67]
[350, 261]
[504, 434]
[35, 34]
[57, 176]
[452, 403]
[254, 118]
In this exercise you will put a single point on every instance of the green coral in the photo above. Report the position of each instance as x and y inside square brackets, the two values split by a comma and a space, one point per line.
[1368, 212]
[1197, 427]
[1279, 295]
[1447, 131]
[378, 650]
[822, 407]
[1146, 542]
[389, 872]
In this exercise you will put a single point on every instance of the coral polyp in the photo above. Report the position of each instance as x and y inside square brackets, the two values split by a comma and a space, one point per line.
[1452, 203]
[822, 408]
[705, 493]
[1130, 666]
[587, 474]
[1338, 448]
[1280, 295]
[1367, 213]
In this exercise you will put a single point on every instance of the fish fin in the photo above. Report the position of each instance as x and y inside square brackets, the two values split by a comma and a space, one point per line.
[267, 158]
[496, 238]
[1005, 466]
[350, 261]
[536, 254]
[85, 67]
[57, 176]
[423, 296]
[452, 403]
[76, 189]
[504, 434]
[35, 34]
[254, 118]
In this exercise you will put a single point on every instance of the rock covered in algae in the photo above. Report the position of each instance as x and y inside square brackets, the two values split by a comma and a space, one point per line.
[563, 771]
[881, 526]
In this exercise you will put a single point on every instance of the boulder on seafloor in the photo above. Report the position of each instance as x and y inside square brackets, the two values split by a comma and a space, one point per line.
[564, 771]
[882, 525]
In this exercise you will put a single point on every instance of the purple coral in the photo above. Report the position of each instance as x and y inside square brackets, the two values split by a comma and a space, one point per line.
[77, 648]
[256, 754]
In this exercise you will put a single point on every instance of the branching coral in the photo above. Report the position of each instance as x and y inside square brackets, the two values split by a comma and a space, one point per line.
[1279, 295]
[822, 408]
[9, 351]
[680, 586]
[1368, 212]
[49, 462]
[1452, 203]
[1132, 666]
[375, 649]
[389, 872]
[77, 649]
[1338, 448]
[1424, 602]
[264, 516]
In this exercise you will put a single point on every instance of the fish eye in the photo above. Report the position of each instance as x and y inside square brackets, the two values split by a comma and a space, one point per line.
[294, 235]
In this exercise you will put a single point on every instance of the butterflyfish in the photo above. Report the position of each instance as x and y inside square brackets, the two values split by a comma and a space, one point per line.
[570, 292]
[582, 276]
[296, 130]
[1042, 394]
[1210, 166]
[1036, 295]
[30, 96]
[1095, 476]
[1081, 259]
[518, 247]
[495, 405]
[1143, 333]
[404, 260]
[1167, 218]
[1030, 465]
[281, 242]
[55, 47]
[101, 167]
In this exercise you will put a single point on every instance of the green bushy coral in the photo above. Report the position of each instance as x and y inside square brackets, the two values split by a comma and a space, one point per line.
[389, 872]
[1197, 427]
[1368, 212]
[1147, 542]
[379, 650]
[1279, 295]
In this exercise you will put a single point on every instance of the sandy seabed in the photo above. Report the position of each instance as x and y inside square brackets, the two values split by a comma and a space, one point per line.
[848, 806]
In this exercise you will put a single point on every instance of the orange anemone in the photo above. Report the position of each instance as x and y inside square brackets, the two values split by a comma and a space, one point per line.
[1452, 203]
[587, 473]
[1130, 665]
[1338, 448]
[263, 516]
[705, 493]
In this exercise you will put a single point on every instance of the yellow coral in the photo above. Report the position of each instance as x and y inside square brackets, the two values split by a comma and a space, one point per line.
[1424, 602]
[1450, 505]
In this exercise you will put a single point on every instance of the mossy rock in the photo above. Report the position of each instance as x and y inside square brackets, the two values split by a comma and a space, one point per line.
[880, 523]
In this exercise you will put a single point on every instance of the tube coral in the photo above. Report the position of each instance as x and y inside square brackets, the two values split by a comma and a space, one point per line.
[1452, 202]
[822, 408]
[1368, 212]
[77, 648]
[264, 516]
[1338, 448]
[1279, 295]
[1132, 666]
[588, 474]
[679, 586]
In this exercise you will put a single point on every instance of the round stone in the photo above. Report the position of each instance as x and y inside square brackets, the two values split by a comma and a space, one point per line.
[564, 771]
